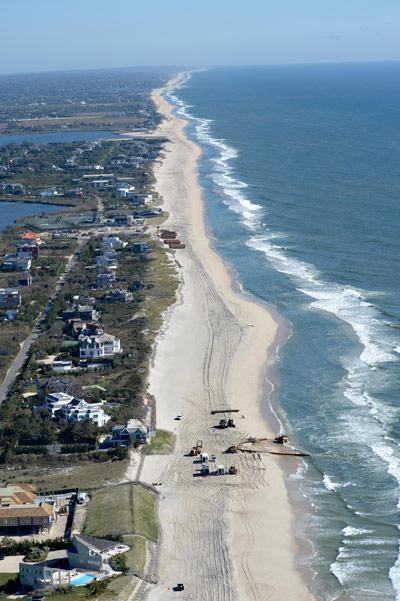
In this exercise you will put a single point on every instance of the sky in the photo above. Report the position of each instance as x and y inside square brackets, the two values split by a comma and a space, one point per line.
[41, 35]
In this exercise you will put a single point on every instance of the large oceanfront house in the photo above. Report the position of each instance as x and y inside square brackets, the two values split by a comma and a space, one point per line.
[21, 512]
[74, 410]
[96, 347]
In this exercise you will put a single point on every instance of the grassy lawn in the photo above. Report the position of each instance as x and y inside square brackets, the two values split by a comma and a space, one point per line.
[87, 475]
[144, 513]
[132, 509]
[161, 444]
[136, 556]
[120, 588]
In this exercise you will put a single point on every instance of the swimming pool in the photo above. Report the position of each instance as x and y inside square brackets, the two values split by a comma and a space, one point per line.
[81, 579]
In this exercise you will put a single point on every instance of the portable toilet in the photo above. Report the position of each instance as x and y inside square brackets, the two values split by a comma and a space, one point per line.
[204, 458]
[221, 470]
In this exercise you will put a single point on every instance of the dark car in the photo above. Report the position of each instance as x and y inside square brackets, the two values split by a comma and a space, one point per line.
[180, 587]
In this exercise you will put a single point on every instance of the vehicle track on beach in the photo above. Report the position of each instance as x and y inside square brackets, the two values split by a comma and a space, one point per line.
[199, 531]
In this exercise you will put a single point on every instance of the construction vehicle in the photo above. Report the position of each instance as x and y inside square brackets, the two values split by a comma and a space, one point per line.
[231, 423]
[205, 469]
[196, 450]
[204, 458]
[232, 449]
[232, 470]
[223, 424]
[281, 439]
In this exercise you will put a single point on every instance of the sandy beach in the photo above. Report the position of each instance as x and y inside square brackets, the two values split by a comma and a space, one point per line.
[225, 537]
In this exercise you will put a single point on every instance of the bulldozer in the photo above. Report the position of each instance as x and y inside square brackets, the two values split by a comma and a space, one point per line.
[232, 449]
[281, 439]
[196, 450]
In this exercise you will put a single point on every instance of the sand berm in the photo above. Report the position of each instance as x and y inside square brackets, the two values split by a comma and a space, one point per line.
[227, 538]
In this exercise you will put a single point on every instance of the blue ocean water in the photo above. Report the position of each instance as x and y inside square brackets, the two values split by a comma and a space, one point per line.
[10, 211]
[300, 171]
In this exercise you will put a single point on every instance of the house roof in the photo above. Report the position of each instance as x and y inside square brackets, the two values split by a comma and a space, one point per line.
[26, 511]
[99, 544]
[17, 494]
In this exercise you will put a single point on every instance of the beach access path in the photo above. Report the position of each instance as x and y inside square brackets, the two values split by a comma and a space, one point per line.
[227, 538]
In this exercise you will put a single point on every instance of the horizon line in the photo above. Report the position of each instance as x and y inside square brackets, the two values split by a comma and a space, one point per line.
[190, 67]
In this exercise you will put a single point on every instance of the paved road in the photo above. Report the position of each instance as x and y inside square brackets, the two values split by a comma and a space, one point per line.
[20, 359]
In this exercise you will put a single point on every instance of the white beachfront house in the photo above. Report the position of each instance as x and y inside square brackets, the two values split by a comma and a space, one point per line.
[124, 190]
[79, 410]
[110, 242]
[75, 410]
[96, 347]
[57, 401]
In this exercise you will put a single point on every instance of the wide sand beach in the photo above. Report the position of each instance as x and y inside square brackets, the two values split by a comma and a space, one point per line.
[224, 537]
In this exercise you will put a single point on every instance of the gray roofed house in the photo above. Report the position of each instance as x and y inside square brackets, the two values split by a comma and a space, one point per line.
[126, 434]
[90, 553]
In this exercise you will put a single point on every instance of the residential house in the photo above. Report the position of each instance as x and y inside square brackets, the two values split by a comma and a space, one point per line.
[115, 242]
[10, 298]
[49, 192]
[65, 384]
[75, 410]
[57, 401]
[78, 327]
[88, 557]
[25, 279]
[134, 431]
[90, 553]
[10, 314]
[142, 213]
[104, 280]
[100, 184]
[139, 199]
[108, 260]
[61, 365]
[13, 262]
[47, 574]
[79, 410]
[124, 190]
[121, 295]
[27, 251]
[84, 312]
[30, 237]
[96, 347]
[21, 512]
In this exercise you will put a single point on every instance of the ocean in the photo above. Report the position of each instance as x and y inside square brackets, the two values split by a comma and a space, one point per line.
[300, 172]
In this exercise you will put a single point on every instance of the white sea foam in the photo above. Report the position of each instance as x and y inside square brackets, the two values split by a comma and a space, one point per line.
[332, 486]
[351, 531]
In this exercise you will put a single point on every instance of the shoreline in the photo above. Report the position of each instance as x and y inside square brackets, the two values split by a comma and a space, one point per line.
[222, 340]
